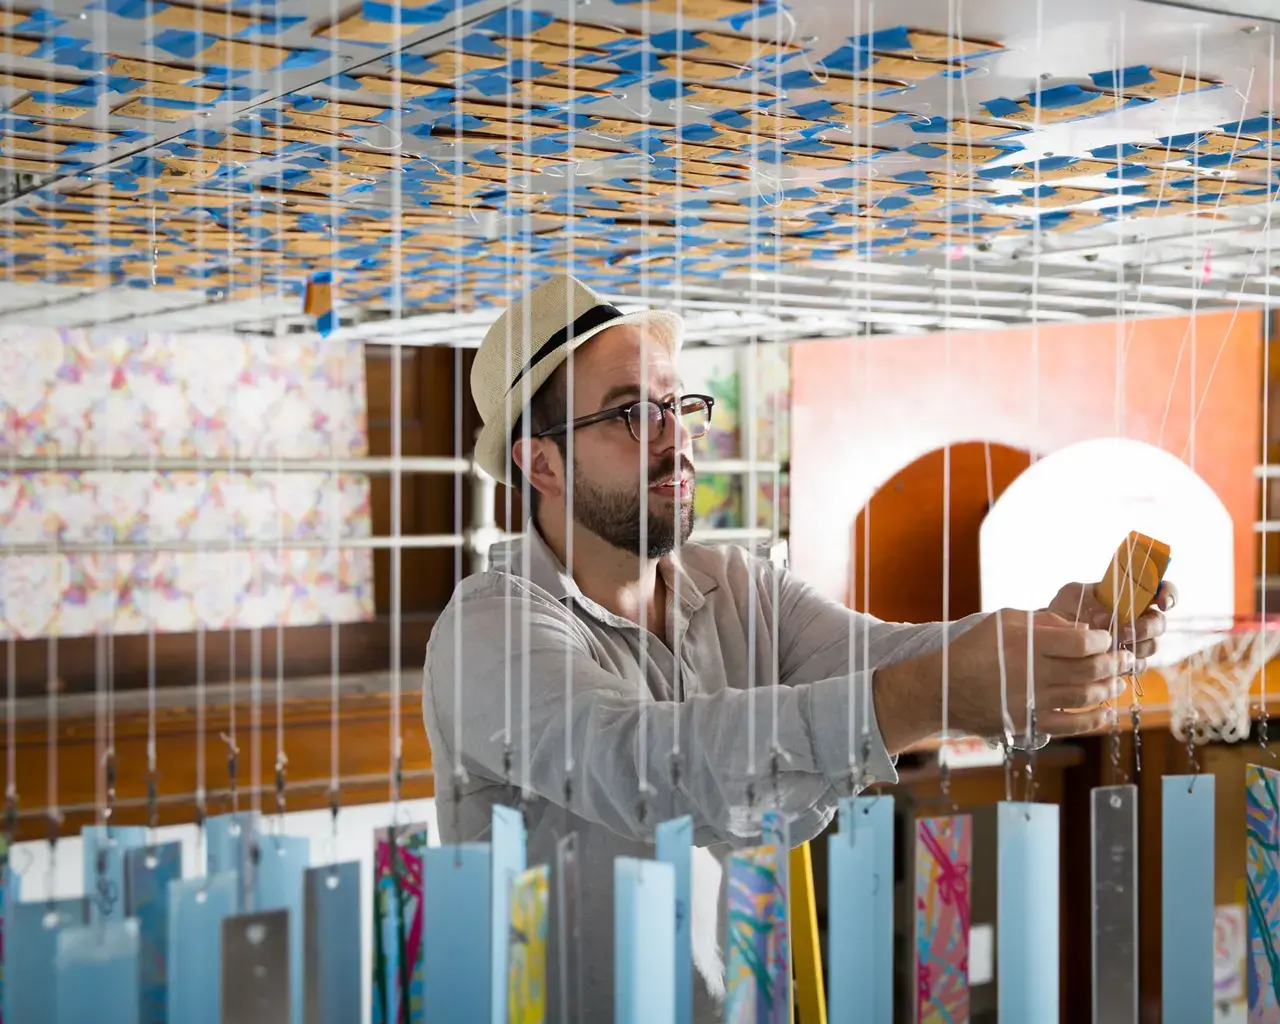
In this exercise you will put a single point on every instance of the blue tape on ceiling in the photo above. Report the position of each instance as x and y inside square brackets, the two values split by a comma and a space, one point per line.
[38, 22]
[515, 21]
[930, 125]
[397, 13]
[1251, 126]
[1126, 78]
[269, 27]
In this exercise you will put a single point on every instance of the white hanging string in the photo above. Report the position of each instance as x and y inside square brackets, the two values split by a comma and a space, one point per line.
[1262, 644]
[397, 455]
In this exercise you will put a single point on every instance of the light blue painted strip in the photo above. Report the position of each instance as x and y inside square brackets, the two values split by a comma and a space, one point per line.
[197, 907]
[104, 882]
[97, 972]
[30, 950]
[644, 909]
[331, 954]
[674, 842]
[457, 886]
[1028, 912]
[10, 893]
[147, 874]
[860, 913]
[228, 839]
[282, 861]
[508, 860]
[1186, 927]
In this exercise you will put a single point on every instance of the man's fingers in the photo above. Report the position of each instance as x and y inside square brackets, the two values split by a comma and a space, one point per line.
[1071, 697]
[1063, 723]
[1067, 641]
[1076, 672]
[1167, 596]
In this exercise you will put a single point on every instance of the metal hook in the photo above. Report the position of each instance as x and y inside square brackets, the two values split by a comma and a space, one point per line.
[384, 149]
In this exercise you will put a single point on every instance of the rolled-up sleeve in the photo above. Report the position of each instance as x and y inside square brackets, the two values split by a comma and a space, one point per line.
[820, 640]
[526, 666]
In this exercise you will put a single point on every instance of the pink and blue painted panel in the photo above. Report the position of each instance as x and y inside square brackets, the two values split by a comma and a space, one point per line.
[943, 848]
[1262, 852]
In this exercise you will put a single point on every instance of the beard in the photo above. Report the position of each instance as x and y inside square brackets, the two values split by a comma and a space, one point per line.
[615, 515]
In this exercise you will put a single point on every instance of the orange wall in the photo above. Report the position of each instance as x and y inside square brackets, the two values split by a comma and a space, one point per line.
[904, 583]
[864, 409]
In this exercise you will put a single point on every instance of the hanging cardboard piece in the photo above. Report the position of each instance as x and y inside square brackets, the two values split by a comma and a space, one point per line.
[454, 63]
[909, 69]
[838, 87]
[18, 47]
[935, 45]
[1151, 82]
[405, 87]
[32, 107]
[31, 83]
[129, 67]
[143, 110]
[357, 29]
[192, 19]
[579, 35]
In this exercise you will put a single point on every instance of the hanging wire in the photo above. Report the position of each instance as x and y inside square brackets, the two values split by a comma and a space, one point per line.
[1262, 645]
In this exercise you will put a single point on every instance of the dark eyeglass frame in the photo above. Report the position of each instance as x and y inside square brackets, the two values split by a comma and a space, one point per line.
[623, 412]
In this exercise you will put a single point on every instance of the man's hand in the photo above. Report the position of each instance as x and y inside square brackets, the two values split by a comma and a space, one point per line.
[1076, 603]
[990, 668]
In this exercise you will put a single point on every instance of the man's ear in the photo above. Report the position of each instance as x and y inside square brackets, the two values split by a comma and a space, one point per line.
[539, 460]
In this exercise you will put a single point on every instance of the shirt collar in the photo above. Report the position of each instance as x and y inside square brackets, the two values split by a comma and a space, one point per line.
[528, 556]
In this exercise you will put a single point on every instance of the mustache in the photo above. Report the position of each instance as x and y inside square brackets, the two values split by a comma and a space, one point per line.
[666, 466]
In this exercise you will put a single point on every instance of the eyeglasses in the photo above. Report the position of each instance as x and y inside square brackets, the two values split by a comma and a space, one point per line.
[693, 412]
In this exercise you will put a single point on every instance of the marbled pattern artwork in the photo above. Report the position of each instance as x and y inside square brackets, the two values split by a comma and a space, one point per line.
[941, 898]
[397, 925]
[527, 959]
[103, 395]
[757, 962]
[1262, 854]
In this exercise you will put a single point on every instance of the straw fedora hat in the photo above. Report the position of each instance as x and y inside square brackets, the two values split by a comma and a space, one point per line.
[532, 337]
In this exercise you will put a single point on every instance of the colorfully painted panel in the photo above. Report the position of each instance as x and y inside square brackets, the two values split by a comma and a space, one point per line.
[943, 847]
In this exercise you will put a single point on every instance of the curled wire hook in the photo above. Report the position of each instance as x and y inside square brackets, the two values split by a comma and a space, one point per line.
[644, 115]
[399, 143]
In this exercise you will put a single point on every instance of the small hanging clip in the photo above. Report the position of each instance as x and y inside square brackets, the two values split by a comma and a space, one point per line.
[10, 820]
[153, 800]
[282, 763]
[109, 760]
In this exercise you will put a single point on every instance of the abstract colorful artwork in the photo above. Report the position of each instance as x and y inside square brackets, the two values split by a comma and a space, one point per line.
[1230, 943]
[941, 899]
[103, 396]
[397, 924]
[527, 957]
[758, 962]
[1262, 854]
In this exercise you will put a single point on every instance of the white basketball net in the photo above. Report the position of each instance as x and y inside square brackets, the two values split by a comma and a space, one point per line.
[1209, 691]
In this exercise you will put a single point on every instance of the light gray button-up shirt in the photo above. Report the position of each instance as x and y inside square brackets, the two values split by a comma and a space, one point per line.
[757, 657]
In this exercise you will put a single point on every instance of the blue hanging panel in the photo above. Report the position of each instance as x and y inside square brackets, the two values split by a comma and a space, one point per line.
[644, 911]
[97, 973]
[148, 871]
[104, 850]
[860, 913]
[1027, 912]
[331, 944]
[457, 885]
[10, 893]
[197, 907]
[674, 846]
[508, 841]
[229, 840]
[282, 861]
[1186, 857]
[30, 951]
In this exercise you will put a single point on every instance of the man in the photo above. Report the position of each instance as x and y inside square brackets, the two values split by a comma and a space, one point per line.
[600, 645]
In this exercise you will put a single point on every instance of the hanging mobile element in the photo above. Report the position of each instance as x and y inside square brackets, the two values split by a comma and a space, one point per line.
[104, 852]
[457, 886]
[255, 968]
[30, 951]
[1187, 839]
[527, 940]
[331, 947]
[644, 941]
[674, 846]
[1027, 912]
[318, 302]
[278, 885]
[942, 853]
[860, 912]
[1262, 869]
[508, 842]
[148, 871]
[1114, 825]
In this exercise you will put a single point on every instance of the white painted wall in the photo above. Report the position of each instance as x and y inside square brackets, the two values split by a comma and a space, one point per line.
[64, 875]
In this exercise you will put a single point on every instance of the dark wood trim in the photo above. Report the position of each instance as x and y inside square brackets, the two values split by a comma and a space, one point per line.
[362, 647]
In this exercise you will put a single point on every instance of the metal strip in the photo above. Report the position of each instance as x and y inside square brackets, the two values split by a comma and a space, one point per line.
[1114, 819]
[255, 968]
[148, 873]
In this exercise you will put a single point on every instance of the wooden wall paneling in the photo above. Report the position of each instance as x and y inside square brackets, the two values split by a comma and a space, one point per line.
[364, 756]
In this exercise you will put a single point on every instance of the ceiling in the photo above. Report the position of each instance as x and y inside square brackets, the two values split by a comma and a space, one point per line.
[772, 172]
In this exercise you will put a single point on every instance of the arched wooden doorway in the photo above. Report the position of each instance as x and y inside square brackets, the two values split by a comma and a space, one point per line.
[906, 533]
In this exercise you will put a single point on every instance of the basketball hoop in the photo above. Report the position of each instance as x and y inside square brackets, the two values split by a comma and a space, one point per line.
[1209, 691]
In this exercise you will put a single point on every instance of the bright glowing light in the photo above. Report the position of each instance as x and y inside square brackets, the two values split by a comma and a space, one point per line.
[1062, 520]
